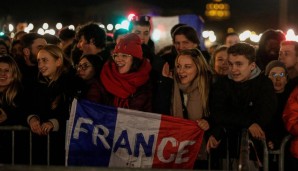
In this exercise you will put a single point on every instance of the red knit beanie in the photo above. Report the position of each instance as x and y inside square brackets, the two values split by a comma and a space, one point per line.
[131, 45]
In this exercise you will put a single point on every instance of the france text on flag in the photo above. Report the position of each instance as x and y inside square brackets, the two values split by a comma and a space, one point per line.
[113, 137]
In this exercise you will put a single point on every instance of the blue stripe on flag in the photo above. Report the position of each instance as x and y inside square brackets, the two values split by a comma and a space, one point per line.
[95, 123]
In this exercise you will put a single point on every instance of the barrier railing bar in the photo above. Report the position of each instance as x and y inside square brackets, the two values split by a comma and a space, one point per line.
[282, 152]
[265, 156]
[48, 150]
[30, 148]
[13, 128]
[12, 147]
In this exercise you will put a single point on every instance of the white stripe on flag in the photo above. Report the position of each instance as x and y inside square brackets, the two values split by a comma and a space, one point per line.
[133, 121]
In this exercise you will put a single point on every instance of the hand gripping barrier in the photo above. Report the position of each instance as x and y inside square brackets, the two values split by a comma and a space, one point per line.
[280, 152]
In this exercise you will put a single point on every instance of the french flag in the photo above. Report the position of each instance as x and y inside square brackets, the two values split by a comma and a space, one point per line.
[105, 136]
[161, 27]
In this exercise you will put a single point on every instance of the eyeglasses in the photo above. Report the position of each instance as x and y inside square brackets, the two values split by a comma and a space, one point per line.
[275, 75]
[125, 56]
[82, 66]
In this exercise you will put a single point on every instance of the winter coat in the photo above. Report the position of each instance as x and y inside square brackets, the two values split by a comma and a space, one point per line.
[235, 106]
[290, 117]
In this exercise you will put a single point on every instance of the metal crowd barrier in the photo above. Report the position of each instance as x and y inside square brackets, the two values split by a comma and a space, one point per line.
[15, 128]
[244, 153]
[280, 152]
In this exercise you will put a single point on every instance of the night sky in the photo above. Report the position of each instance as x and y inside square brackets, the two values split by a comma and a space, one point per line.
[257, 15]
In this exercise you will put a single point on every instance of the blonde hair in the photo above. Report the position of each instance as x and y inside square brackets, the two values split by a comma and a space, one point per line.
[204, 72]
[57, 53]
[11, 91]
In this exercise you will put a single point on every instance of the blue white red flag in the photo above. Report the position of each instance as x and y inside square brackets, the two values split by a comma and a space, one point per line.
[113, 137]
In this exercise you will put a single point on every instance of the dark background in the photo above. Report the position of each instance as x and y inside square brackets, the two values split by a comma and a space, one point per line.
[256, 15]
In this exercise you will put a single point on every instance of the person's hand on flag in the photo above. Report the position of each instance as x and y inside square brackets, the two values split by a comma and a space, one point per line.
[203, 124]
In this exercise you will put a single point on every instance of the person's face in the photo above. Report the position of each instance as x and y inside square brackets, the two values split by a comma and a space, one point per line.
[47, 64]
[143, 32]
[3, 50]
[279, 78]
[83, 45]
[123, 62]
[240, 68]
[182, 43]
[17, 50]
[85, 70]
[6, 76]
[186, 69]
[231, 40]
[287, 55]
[35, 47]
[221, 66]
[272, 48]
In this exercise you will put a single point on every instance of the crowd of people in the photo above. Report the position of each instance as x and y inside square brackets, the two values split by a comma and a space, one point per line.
[235, 87]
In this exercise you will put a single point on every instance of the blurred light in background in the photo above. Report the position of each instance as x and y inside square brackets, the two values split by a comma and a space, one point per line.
[59, 26]
[130, 16]
[45, 26]
[156, 35]
[110, 27]
[10, 27]
[125, 24]
[102, 26]
[117, 26]
[40, 31]
[71, 27]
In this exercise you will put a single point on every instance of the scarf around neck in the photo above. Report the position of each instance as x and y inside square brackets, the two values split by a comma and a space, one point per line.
[194, 106]
[123, 85]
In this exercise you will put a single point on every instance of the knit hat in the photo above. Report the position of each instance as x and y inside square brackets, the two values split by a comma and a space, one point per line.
[274, 63]
[131, 45]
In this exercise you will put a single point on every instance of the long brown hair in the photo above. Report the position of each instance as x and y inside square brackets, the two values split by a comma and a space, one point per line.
[11, 91]
[204, 72]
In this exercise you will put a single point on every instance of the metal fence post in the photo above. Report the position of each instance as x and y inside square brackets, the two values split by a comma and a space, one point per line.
[244, 152]
[30, 148]
[265, 156]
[282, 152]
[48, 149]
[12, 147]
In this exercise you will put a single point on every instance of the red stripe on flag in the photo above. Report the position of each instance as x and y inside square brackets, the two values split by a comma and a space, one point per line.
[178, 144]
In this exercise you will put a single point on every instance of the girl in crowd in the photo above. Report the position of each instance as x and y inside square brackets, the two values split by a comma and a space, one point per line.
[126, 77]
[190, 90]
[11, 110]
[89, 70]
[219, 60]
[58, 85]
[10, 92]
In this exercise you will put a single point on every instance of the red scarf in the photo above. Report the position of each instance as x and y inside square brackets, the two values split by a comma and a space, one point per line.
[123, 85]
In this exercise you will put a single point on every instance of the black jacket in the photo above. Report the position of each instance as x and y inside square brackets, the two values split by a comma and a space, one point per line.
[235, 106]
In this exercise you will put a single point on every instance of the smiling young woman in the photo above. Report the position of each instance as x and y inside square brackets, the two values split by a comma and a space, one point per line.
[58, 84]
[126, 77]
